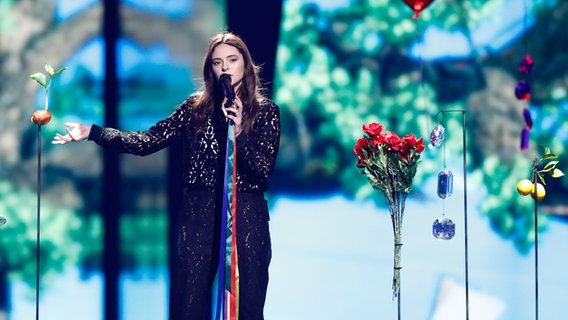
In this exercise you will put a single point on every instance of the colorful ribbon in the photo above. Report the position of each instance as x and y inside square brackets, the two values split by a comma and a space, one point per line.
[226, 285]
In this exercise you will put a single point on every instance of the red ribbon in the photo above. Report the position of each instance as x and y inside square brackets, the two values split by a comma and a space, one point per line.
[234, 294]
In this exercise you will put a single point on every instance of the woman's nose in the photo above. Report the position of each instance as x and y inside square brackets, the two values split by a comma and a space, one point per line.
[224, 67]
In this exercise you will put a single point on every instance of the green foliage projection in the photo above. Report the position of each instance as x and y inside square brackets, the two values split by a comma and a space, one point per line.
[59, 227]
[338, 69]
[144, 240]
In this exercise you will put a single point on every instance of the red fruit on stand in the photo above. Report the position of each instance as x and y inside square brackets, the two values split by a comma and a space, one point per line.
[41, 117]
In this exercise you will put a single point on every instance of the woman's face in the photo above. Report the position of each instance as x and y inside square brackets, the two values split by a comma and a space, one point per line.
[227, 59]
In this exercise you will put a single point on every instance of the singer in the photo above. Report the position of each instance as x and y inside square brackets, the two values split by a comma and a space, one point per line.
[231, 91]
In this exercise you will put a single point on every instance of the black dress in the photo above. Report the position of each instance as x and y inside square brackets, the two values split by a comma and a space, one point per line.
[199, 224]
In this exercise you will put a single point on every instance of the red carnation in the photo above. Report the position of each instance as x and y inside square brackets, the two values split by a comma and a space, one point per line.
[409, 141]
[373, 129]
[362, 149]
[391, 140]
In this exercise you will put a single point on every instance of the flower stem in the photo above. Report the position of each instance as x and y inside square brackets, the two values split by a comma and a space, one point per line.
[397, 266]
[46, 98]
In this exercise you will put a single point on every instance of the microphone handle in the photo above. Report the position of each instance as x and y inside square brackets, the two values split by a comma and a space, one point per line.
[228, 104]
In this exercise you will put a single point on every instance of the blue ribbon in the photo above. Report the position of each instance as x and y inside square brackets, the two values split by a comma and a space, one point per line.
[220, 282]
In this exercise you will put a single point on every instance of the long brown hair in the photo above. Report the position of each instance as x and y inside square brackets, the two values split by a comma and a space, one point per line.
[250, 91]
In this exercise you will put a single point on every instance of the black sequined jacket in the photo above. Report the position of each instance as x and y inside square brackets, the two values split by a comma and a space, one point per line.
[204, 152]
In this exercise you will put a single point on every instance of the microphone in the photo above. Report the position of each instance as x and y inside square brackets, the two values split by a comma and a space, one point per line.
[228, 90]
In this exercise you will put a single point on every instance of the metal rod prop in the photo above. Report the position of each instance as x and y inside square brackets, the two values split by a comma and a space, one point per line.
[399, 305]
[38, 218]
[464, 211]
[535, 245]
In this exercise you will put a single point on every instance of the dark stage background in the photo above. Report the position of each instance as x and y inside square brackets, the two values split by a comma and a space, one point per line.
[331, 65]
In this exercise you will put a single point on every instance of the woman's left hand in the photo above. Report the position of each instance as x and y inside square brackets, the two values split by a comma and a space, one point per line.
[235, 113]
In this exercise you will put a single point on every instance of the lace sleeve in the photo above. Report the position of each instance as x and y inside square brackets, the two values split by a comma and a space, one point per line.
[260, 148]
[145, 142]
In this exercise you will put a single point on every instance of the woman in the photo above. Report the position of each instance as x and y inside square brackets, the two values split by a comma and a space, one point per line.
[202, 121]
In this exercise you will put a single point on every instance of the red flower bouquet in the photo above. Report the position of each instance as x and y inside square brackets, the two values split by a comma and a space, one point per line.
[389, 163]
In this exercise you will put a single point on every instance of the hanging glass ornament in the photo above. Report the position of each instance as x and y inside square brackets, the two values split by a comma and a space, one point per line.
[417, 6]
[445, 184]
[526, 65]
[524, 139]
[443, 228]
[528, 118]
[437, 135]
[2, 221]
[523, 90]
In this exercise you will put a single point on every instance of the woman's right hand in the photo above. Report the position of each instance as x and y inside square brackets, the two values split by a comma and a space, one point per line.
[75, 132]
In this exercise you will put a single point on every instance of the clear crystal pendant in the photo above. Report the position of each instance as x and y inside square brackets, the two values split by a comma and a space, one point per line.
[2, 221]
[443, 228]
[437, 135]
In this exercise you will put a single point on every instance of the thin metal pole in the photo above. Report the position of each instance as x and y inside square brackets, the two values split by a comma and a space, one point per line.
[464, 210]
[535, 242]
[399, 311]
[38, 218]
[536, 260]
[465, 218]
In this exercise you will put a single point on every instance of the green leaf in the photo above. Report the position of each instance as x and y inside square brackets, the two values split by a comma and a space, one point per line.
[49, 69]
[549, 166]
[40, 78]
[546, 151]
[557, 173]
[549, 156]
[59, 71]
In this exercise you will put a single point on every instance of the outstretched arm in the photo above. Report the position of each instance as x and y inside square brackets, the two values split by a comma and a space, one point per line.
[75, 132]
[140, 143]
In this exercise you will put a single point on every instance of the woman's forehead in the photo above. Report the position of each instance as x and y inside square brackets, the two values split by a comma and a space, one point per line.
[224, 50]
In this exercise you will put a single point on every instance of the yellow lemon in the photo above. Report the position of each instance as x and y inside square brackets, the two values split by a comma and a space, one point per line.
[524, 187]
[540, 192]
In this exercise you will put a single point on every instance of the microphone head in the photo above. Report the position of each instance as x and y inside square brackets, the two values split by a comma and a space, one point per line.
[224, 77]
[228, 90]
